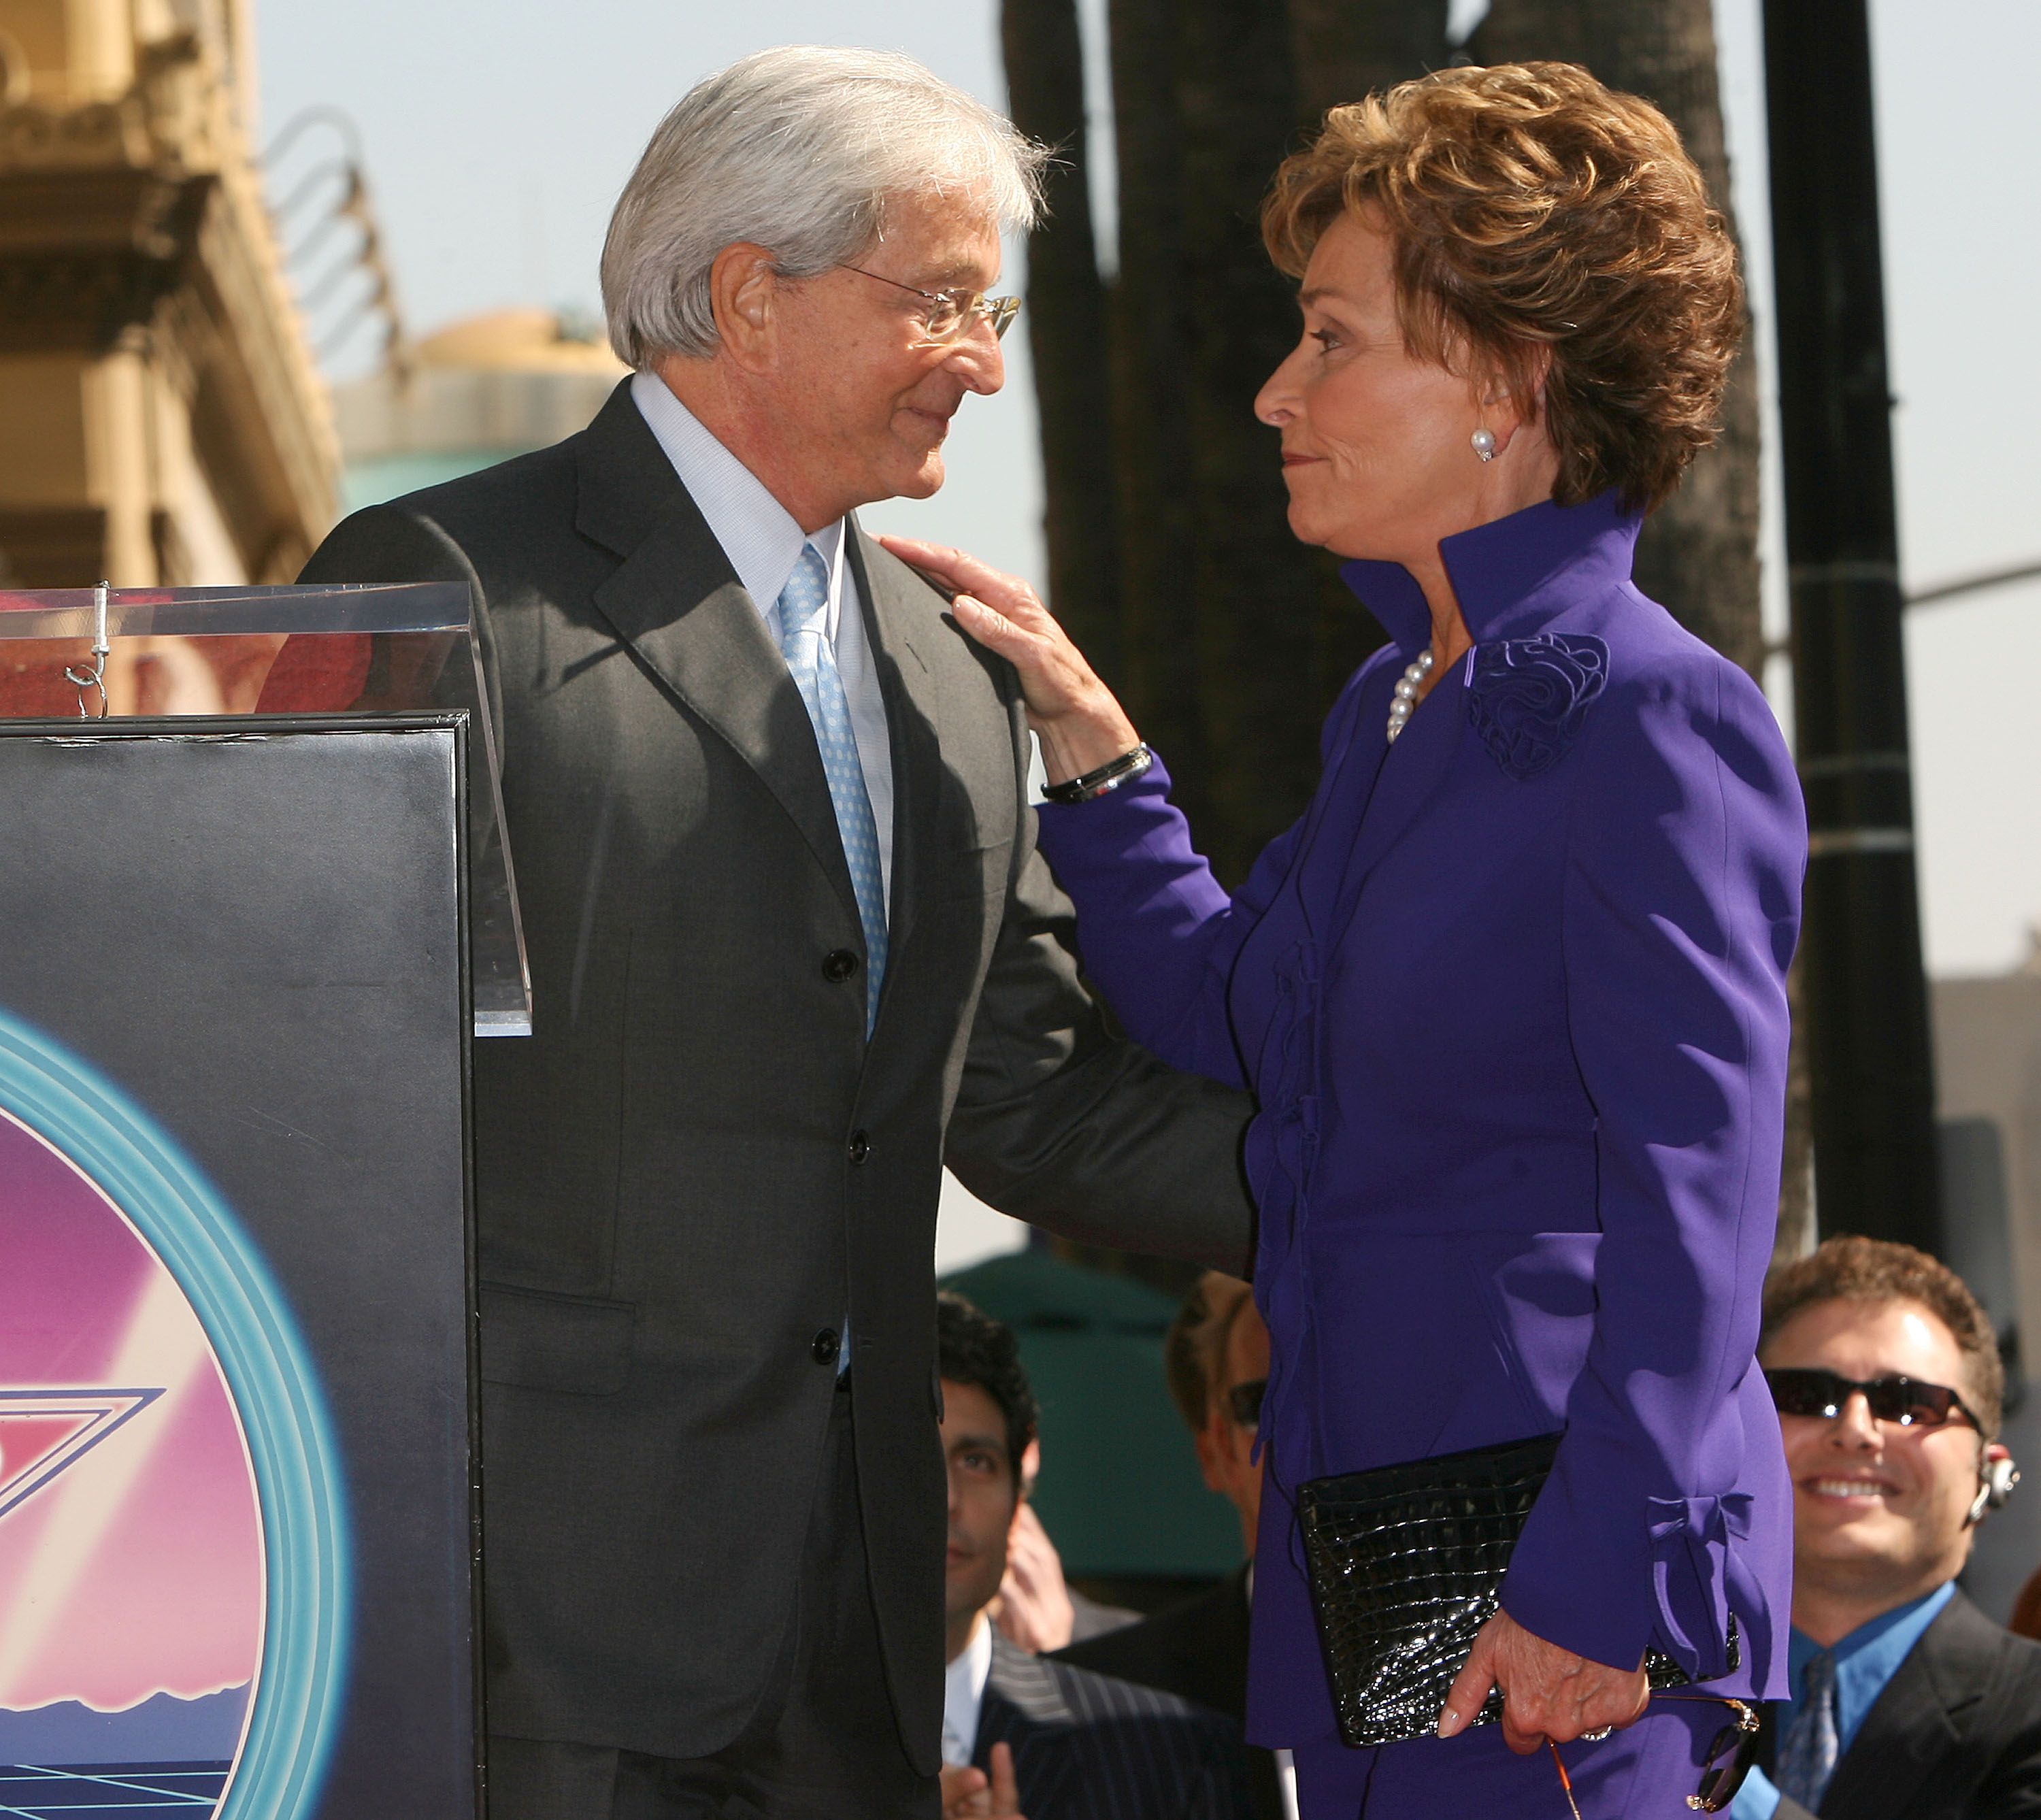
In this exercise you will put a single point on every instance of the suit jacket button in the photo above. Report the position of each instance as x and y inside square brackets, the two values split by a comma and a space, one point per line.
[860, 1146]
[838, 965]
[825, 1346]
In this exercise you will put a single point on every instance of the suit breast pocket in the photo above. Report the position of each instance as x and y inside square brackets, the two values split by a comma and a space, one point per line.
[978, 873]
[538, 1341]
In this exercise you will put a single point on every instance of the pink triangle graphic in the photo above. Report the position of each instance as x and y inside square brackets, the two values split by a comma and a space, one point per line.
[43, 1432]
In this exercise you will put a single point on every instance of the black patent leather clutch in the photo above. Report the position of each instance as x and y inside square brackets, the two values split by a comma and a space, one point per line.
[1406, 1564]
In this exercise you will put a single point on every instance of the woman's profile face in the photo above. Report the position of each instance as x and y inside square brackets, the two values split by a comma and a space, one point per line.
[1377, 443]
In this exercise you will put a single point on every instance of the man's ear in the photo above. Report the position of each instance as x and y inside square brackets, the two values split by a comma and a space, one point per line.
[744, 291]
[1030, 1467]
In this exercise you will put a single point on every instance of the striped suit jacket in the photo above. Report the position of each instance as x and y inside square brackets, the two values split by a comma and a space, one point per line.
[1086, 1747]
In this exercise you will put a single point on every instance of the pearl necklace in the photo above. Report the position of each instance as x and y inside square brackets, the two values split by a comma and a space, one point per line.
[1406, 692]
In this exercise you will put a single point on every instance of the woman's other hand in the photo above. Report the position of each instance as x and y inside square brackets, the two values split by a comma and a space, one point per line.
[1548, 1692]
[1074, 714]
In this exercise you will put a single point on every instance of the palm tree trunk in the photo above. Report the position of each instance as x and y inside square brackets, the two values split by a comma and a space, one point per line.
[1151, 330]
[1066, 330]
[1257, 599]
[1344, 49]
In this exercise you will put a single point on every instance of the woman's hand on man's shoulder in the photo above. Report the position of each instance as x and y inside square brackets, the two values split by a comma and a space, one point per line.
[1080, 723]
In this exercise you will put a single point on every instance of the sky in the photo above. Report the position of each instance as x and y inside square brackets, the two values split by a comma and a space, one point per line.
[498, 133]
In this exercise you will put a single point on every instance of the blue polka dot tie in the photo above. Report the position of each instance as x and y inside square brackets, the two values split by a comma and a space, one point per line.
[803, 610]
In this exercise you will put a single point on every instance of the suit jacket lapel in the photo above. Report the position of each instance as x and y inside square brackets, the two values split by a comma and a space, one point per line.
[894, 620]
[1915, 1723]
[676, 602]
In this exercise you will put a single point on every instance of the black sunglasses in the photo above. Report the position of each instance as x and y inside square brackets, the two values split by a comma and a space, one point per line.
[1906, 1401]
[1722, 1770]
[1729, 1759]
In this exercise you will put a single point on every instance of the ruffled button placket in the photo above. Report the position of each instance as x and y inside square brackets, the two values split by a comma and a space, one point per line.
[1289, 1086]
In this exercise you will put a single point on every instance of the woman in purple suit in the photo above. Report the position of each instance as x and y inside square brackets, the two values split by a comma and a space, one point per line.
[1511, 993]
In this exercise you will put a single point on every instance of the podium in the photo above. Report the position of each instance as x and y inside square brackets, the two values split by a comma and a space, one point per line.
[243, 956]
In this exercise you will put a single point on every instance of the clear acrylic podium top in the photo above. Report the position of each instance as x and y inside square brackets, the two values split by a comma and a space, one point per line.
[378, 647]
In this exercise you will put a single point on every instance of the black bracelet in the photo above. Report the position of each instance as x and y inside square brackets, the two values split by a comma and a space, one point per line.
[1127, 766]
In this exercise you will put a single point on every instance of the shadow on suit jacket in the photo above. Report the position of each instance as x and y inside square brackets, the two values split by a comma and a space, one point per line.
[1086, 1747]
[1956, 1735]
[1196, 1648]
[697, 1162]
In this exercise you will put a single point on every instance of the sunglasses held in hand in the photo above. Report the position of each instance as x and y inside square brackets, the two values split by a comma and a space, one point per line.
[1722, 1770]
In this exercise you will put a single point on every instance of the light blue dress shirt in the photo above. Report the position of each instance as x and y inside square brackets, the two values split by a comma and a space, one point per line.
[1866, 1660]
[763, 541]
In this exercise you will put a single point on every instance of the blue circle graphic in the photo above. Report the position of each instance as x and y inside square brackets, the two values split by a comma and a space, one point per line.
[298, 1479]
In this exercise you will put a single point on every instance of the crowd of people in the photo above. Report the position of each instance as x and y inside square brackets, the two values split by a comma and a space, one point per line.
[1479, 1076]
[1906, 1700]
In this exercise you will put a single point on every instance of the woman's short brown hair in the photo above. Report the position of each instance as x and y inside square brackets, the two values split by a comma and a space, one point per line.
[1851, 1269]
[1531, 208]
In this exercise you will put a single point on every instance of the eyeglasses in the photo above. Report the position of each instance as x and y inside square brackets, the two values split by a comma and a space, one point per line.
[1906, 1401]
[1243, 1402]
[952, 314]
[1722, 1770]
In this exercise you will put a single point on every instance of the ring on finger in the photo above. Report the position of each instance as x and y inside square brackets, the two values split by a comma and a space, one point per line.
[1596, 1736]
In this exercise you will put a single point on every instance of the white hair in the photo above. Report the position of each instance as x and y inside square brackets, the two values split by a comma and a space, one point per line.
[799, 150]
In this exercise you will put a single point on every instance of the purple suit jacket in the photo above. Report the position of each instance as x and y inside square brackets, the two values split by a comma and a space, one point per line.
[1512, 997]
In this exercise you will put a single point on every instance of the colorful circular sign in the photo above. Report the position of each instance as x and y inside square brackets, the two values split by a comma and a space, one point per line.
[173, 1528]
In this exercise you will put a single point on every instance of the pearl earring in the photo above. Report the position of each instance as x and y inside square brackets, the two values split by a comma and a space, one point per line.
[1484, 443]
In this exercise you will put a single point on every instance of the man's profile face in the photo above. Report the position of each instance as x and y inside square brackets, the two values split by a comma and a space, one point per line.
[984, 1497]
[1875, 1505]
[869, 400]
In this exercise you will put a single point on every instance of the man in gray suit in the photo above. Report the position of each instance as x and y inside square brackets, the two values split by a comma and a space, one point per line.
[791, 945]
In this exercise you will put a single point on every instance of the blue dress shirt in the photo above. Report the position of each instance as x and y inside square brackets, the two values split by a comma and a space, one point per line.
[1866, 1660]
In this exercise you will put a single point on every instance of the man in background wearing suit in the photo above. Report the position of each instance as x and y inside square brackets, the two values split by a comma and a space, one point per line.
[790, 942]
[1909, 1703]
[1216, 1358]
[1027, 1735]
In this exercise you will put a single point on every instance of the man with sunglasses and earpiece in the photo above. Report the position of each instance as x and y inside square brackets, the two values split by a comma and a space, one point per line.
[1907, 1700]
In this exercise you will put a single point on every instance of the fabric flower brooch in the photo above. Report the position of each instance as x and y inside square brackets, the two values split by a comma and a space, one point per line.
[1528, 697]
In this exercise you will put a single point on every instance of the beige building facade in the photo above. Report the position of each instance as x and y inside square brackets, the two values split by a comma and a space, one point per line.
[162, 422]
[476, 393]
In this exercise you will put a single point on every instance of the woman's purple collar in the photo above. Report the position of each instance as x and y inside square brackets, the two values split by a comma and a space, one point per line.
[1511, 576]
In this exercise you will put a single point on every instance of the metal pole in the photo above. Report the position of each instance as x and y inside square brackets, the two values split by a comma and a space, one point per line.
[1866, 995]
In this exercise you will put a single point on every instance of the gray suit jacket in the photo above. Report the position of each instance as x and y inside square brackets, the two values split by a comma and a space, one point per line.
[696, 1164]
